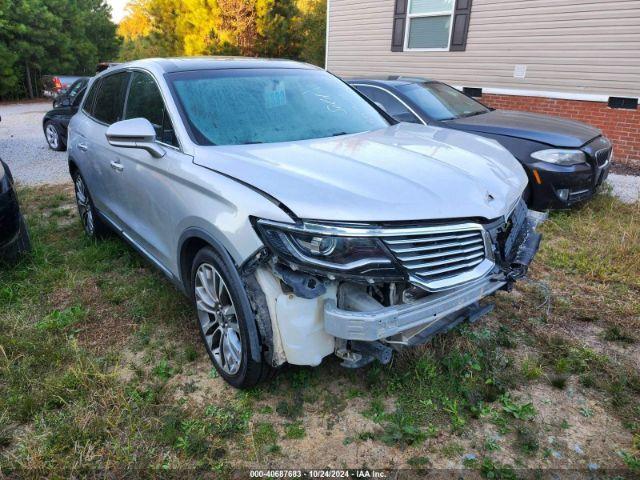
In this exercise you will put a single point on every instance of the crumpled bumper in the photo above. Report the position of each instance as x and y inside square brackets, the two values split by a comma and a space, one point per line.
[389, 321]
[439, 311]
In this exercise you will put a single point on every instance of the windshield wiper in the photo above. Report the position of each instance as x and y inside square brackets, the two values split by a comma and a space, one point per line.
[251, 143]
[472, 114]
[338, 134]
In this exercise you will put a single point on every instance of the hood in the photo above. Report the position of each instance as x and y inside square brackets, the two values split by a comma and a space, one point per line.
[401, 173]
[554, 131]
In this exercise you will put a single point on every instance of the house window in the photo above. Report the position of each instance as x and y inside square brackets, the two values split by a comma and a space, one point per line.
[429, 24]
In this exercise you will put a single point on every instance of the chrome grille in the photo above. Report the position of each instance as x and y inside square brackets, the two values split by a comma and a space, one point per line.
[439, 253]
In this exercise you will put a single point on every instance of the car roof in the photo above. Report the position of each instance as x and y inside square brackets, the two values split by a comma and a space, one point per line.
[183, 64]
[390, 80]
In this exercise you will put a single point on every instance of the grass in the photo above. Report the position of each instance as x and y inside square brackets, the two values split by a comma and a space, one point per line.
[101, 366]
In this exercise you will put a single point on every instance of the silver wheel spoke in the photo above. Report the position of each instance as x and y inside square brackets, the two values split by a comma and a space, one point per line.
[218, 319]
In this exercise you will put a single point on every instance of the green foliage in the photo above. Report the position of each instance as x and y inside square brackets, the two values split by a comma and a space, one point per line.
[494, 470]
[520, 411]
[59, 320]
[295, 431]
[51, 37]
[292, 29]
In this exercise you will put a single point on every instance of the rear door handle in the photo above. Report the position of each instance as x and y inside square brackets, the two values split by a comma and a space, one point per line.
[117, 166]
[83, 146]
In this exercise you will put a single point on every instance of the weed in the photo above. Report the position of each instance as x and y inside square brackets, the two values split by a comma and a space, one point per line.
[375, 411]
[531, 369]
[558, 381]
[401, 429]
[586, 412]
[496, 471]
[59, 320]
[419, 461]
[632, 461]
[291, 410]
[190, 353]
[228, 420]
[491, 445]
[295, 430]
[615, 334]
[527, 439]
[523, 411]
[265, 438]
[162, 370]
[452, 450]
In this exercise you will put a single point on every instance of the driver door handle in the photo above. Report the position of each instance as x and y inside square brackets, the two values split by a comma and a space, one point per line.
[117, 166]
[83, 146]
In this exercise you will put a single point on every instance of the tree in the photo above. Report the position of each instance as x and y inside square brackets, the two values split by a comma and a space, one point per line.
[277, 24]
[51, 36]
[268, 28]
[313, 27]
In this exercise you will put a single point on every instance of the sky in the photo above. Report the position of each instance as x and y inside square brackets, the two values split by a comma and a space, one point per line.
[118, 9]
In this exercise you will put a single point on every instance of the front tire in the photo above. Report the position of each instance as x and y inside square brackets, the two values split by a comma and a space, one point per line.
[53, 137]
[224, 314]
[93, 225]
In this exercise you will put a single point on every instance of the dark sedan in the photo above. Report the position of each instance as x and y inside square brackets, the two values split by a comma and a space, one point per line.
[566, 161]
[14, 237]
[55, 122]
[66, 96]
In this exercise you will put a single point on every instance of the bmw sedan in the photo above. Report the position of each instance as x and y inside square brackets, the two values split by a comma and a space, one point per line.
[566, 161]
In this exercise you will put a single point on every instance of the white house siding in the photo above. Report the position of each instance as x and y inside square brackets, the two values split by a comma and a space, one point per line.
[573, 46]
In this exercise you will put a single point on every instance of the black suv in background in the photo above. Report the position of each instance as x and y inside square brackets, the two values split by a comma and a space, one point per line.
[566, 161]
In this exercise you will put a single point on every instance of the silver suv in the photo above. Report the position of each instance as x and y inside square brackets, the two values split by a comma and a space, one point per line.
[299, 218]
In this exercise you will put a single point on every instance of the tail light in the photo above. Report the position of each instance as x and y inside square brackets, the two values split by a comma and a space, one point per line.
[57, 84]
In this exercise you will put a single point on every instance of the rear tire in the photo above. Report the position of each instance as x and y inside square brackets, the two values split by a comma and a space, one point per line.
[93, 225]
[224, 316]
[54, 137]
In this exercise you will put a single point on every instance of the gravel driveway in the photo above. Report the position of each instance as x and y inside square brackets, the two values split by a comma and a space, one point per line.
[23, 147]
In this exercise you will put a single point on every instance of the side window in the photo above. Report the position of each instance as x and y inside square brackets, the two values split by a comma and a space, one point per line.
[110, 98]
[389, 104]
[78, 98]
[88, 105]
[145, 101]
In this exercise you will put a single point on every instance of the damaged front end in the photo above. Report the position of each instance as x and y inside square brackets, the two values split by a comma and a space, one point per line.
[363, 291]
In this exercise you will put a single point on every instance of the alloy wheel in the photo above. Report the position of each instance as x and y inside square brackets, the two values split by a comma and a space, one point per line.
[84, 206]
[53, 138]
[218, 319]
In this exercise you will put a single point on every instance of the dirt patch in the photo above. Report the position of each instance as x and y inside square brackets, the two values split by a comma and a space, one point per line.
[107, 324]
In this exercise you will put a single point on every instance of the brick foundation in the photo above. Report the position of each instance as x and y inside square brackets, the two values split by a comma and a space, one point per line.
[621, 126]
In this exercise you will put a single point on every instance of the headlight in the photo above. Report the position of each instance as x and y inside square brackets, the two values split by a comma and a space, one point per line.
[560, 157]
[318, 248]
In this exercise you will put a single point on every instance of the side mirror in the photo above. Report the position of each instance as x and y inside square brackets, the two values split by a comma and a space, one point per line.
[65, 102]
[135, 133]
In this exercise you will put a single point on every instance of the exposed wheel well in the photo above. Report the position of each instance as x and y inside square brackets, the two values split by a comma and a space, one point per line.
[73, 168]
[188, 252]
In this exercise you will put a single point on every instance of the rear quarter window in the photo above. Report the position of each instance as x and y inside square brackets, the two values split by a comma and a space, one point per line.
[87, 107]
[109, 102]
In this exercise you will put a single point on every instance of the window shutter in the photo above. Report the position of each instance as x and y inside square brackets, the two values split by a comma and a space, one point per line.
[461, 19]
[399, 20]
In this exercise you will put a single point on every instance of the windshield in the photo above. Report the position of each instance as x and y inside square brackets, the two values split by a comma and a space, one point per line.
[442, 102]
[244, 106]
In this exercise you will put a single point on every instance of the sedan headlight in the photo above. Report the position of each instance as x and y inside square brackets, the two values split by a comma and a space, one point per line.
[560, 157]
[318, 248]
